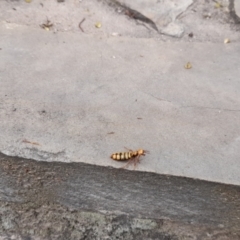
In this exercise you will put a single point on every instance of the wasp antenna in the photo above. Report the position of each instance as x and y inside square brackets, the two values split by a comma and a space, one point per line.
[128, 149]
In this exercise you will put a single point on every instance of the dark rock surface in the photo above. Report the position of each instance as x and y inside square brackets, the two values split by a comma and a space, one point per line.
[42, 200]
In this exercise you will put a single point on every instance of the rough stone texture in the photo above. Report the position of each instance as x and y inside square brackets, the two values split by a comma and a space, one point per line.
[173, 29]
[162, 13]
[41, 200]
[237, 8]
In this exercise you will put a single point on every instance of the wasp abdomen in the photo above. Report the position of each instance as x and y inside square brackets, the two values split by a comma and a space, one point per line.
[122, 156]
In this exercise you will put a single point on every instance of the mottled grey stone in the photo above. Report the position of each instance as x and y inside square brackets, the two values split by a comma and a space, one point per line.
[162, 13]
[80, 201]
[173, 29]
[237, 7]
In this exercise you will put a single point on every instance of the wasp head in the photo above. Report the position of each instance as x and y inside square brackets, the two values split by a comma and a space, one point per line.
[142, 152]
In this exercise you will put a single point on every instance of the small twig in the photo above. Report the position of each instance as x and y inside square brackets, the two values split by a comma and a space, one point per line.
[26, 141]
[79, 25]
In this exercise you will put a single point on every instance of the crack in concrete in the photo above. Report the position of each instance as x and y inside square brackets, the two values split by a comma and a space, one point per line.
[219, 109]
[201, 107]
[133, 13]
[159, 99]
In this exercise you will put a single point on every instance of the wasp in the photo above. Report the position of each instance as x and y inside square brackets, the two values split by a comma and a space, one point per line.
[131, 156]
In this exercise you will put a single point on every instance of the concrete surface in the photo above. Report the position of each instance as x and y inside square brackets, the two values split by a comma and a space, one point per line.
[62, 94]
[41, 200]
[68, 95]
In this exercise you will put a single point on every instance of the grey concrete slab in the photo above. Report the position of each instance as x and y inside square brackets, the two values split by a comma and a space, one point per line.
[62, 94]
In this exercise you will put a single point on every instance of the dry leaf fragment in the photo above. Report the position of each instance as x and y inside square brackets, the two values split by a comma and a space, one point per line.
[26, 141]
[98, 25]
[47, 25]
[188, 65]
[28, 1]
[218, 5]
[226, 40]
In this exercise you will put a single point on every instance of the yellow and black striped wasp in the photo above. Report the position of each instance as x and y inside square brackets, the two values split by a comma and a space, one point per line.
[130, 155]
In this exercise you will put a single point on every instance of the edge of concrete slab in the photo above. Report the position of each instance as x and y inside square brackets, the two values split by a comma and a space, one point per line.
[42, 200]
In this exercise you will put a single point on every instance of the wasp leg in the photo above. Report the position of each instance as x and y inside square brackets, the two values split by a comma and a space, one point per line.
[136, 161]
[128, 149]
[128, 163]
